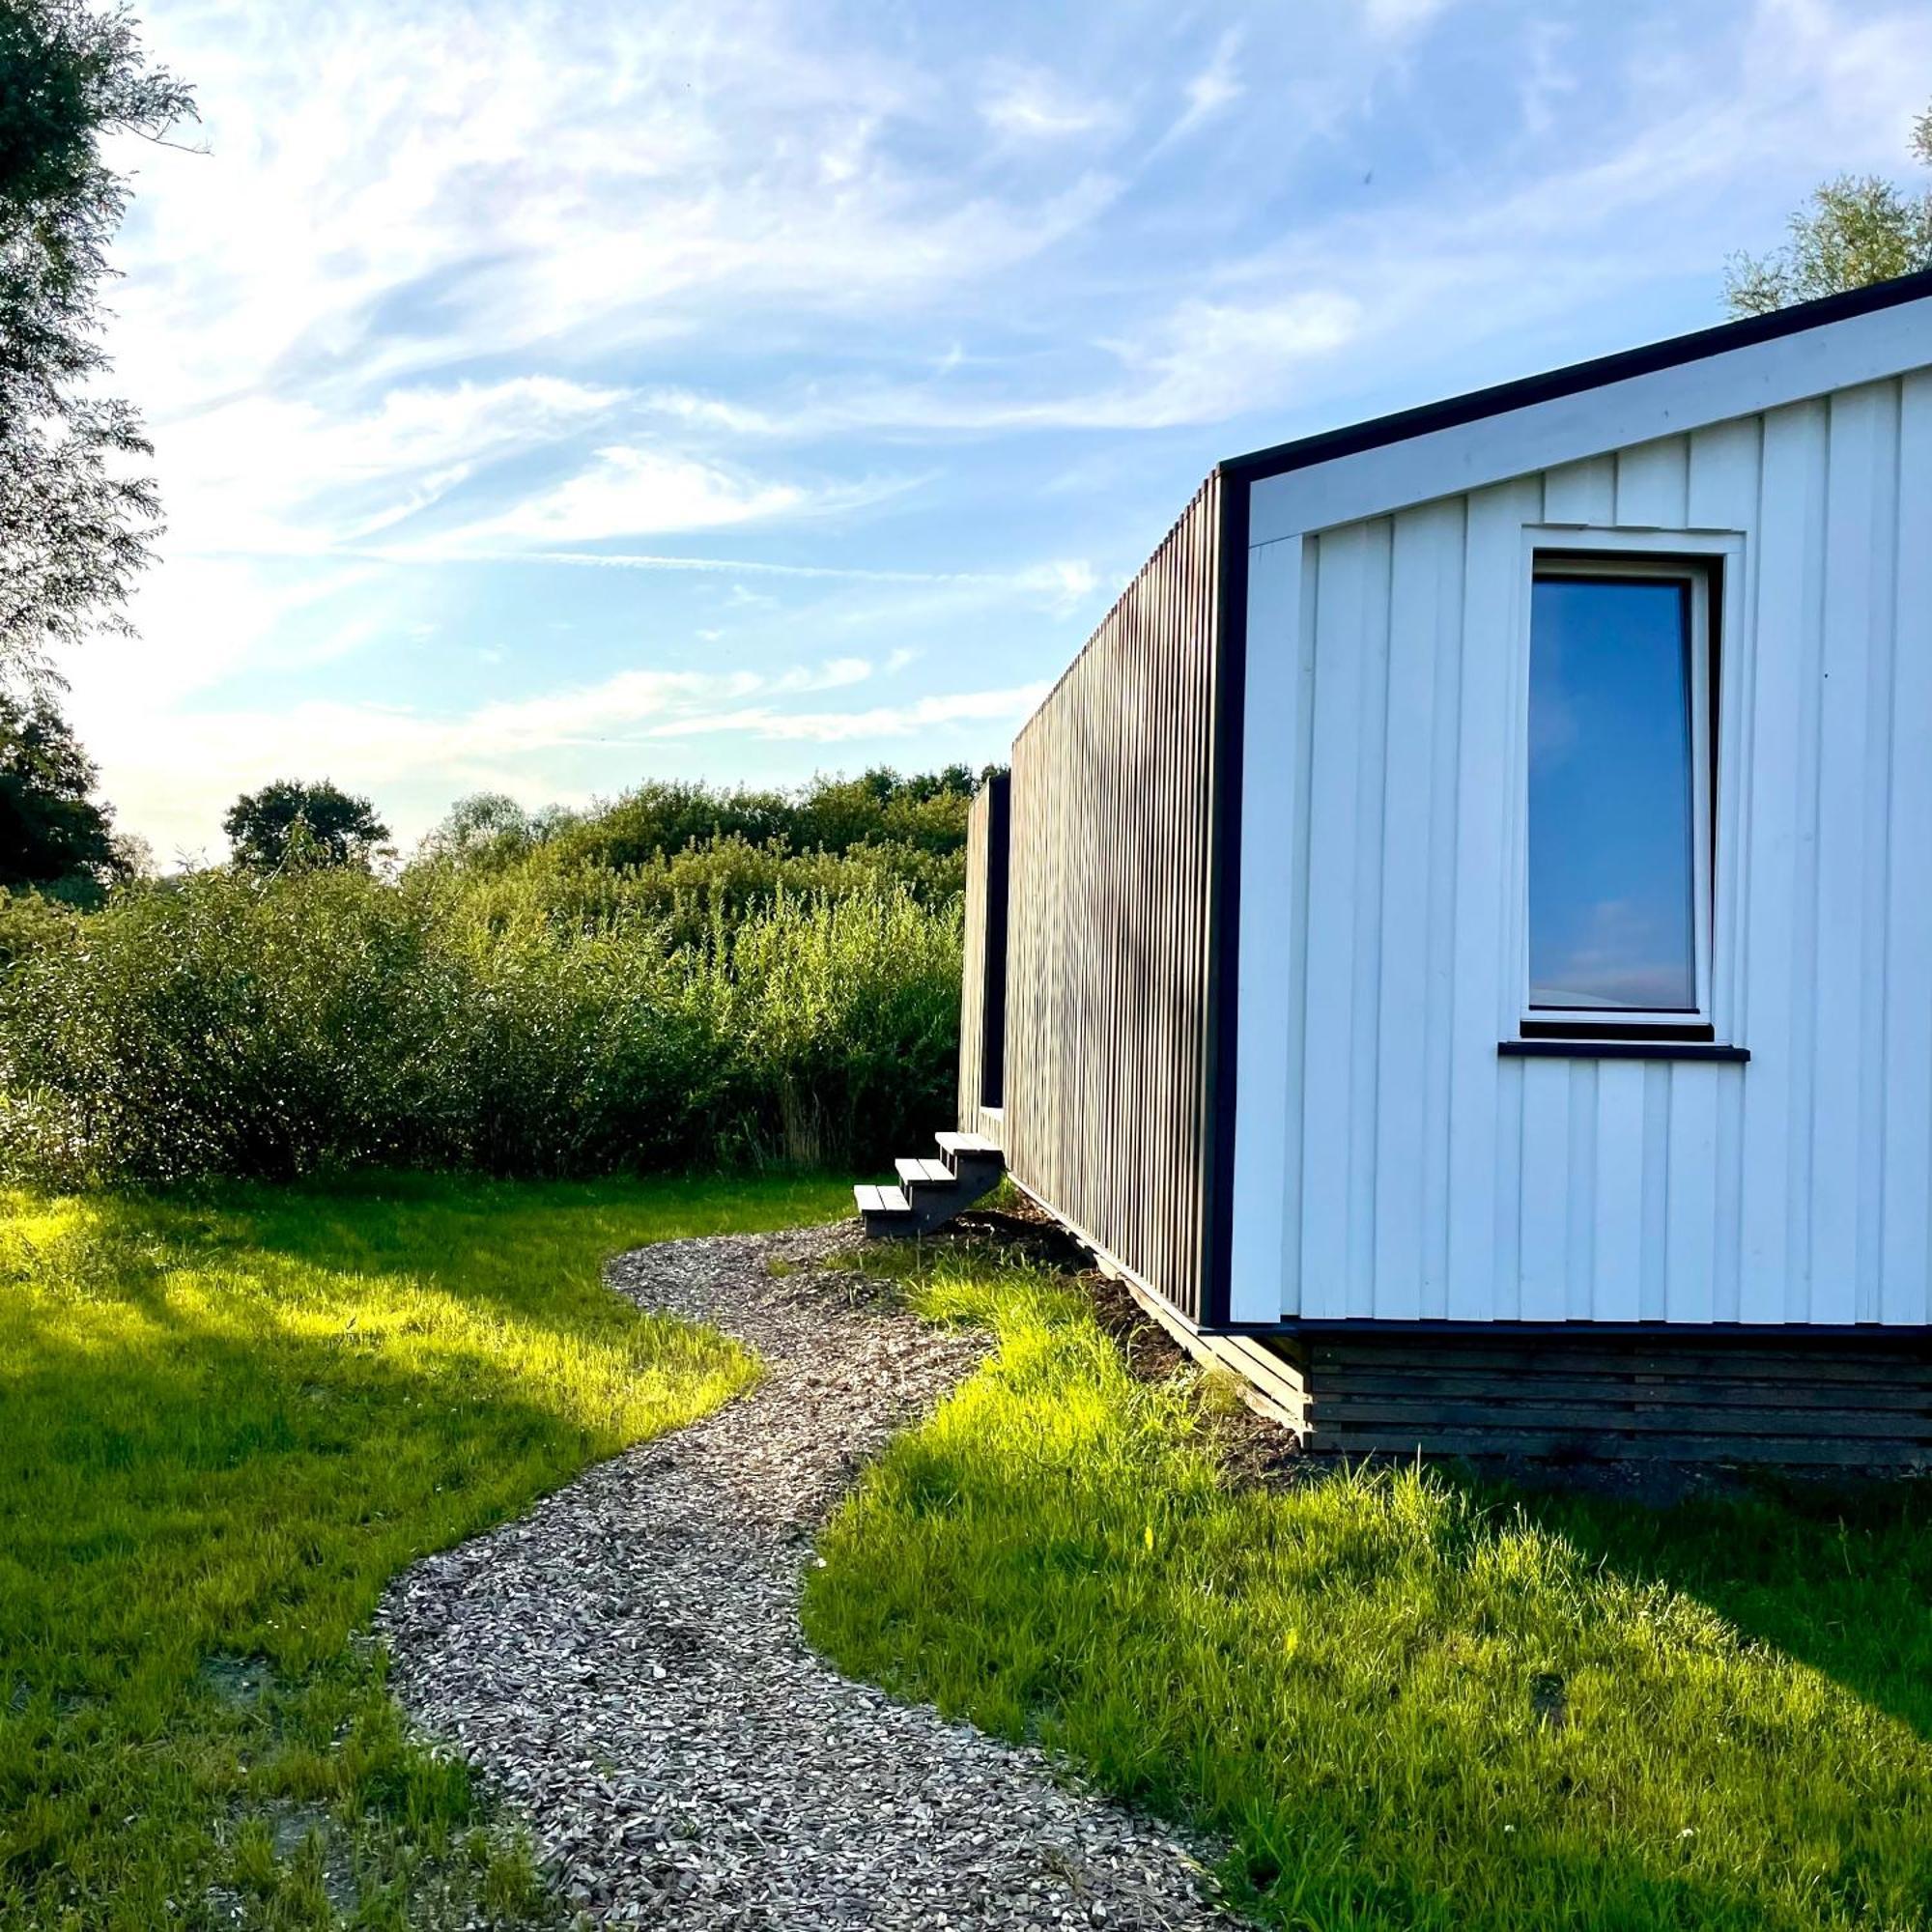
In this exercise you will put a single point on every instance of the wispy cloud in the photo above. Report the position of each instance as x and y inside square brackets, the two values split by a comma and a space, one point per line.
[478, 326]
[523, 746]
[632, 491]
[262, 470]
[1055, 582]
[1393, 19]
[879, 722]
[1214, 87]
[1202, 362]
[1029, 104]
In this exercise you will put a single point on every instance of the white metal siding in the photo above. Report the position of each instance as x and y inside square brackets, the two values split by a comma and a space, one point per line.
[1428, 1177]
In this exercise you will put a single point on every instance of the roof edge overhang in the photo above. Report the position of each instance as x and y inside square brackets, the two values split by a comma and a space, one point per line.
[1686, 381]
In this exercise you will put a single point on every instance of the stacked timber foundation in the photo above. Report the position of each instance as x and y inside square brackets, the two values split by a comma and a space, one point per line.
[1835, 1403]
[1839, 1401]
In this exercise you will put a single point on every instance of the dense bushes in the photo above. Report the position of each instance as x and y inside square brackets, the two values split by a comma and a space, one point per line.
[533, 1018]
[911, 828]
[685, 890]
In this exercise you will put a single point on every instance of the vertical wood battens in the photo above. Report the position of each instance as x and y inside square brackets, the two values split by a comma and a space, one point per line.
[1111, 988]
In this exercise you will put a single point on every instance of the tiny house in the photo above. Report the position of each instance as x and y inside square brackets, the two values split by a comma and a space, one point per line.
[1458, 940]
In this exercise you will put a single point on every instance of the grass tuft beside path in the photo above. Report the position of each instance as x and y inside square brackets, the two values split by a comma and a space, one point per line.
[1405, 1700]
[225, 1423]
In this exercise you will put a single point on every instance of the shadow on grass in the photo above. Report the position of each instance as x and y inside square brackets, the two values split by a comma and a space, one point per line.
[228, 1421]
[1837, 1576]
[201, 1489]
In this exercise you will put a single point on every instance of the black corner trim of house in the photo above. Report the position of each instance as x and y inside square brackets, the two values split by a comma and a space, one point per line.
[1224, 901]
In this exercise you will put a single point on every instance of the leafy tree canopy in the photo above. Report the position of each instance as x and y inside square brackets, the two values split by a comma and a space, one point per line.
[52, 832]
[293, 824]
[75, 526]
[1854, 229]
[878, 810]
[832, 814]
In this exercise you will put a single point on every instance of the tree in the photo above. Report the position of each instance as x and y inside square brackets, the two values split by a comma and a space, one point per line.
[490, 827]
[74, 525]
[52, 832]
[1854, 229]
[290, 823]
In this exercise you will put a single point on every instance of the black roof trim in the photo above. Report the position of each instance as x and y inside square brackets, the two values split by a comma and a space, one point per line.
[1454, 411]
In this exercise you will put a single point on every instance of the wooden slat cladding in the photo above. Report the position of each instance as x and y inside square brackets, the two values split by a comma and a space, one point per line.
[1831, 1401]
[1108, 998]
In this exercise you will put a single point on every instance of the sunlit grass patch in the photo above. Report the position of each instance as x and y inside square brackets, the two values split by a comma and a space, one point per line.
[225, 1422]
[1403, 1699]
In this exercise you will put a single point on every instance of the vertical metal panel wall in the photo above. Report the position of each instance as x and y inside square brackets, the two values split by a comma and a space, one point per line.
[1436, 1180]
[1109, 1002]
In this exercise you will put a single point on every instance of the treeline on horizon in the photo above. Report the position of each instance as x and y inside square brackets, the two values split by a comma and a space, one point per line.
[685, 975]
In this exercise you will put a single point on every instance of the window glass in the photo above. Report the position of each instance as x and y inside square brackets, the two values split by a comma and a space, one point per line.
[1612, 922]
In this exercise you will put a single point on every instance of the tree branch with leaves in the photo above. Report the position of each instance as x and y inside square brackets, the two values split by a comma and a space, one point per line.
[1854, 230]
[77, 523]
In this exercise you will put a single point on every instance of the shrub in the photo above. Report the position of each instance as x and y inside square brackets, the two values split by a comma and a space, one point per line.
[551, 885]
[536, 1021]
[847, 1014]
[231, 1024]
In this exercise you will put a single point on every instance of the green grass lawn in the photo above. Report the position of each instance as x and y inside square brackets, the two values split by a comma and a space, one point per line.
[1406, 1701]
[225, 1422]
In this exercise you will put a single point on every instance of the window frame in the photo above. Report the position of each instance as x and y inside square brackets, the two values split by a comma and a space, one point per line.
[1702, 561]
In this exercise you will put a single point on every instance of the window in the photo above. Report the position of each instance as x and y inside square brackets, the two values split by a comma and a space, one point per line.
[1619, 831]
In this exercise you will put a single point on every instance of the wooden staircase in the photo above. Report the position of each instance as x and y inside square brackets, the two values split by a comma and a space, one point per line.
[931, 1192]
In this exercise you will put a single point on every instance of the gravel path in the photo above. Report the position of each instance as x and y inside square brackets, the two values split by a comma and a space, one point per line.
[625, 1662]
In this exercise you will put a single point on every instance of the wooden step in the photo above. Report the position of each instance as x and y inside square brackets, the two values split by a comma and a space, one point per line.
[885, 1210]
[925, 1173]
[931, 1192]
[973, 1160]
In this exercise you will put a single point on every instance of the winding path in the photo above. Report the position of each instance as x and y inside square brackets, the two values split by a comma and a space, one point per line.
[624, 1663]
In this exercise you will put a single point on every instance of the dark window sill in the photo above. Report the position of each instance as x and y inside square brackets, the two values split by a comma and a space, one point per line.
[1567, 1030]
[1621, 1050]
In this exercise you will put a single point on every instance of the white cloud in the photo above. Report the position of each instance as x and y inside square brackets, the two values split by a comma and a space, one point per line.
[632, 491]
[1202, 362]
[280, 473]
[421, 237]
[462, 282]
[1394, 20]
[1031, 104]
[1065, 584]
[884, 721]
[1210, 359]
[711, 412]
[1547, 81]
[499, 179]
[414, 763]
[1030, 580]
[1217, 86]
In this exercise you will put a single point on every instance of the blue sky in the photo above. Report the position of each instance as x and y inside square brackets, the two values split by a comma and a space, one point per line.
[550, 396]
